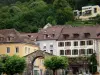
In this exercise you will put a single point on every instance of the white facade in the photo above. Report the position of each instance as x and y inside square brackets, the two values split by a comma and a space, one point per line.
[49, 46]
[76, 45]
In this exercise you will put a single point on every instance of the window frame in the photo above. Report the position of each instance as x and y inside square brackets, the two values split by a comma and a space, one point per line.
[62, 53]
[67, 43]
[73, 52]
[8, 50]
[68, 53]
[17, 50]
[59, 44]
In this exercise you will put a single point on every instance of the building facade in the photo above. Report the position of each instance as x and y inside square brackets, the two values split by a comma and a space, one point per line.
[73, 42]
[14, 43]
[87, 12]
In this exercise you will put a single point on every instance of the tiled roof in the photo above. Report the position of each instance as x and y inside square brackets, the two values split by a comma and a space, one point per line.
[13, 36]
[55, 30]
[80, 30]
[57, 33]
[31, 36]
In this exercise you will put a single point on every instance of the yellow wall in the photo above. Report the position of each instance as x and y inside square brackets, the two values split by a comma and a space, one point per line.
[39, 62]
[22, 51]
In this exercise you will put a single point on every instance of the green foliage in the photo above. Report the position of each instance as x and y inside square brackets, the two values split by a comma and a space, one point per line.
[11, 64]
[96, 19]
[34, 14]
[1, 67]
[14, 64]
[56, 62]
[93, 63]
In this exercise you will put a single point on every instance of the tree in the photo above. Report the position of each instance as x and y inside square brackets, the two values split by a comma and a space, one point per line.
[14, 64]
[93, 63]
[55, 62]
[96, 19]
[63, 11]
[1, 67]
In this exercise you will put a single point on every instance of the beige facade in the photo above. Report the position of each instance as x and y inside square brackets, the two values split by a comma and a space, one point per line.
[17, 48]
[87, 12]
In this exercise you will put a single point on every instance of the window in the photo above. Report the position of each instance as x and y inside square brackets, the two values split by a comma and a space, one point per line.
[61, 44]
[38, 44]
[28, 50]
[44, 47]
[51, 51]
[82, 42]
[90, 42]
[44, 50]
[65, 36]
[89, 51]
[53, 35]
[82, 51]
[75, 14]
[61, 52]
[17, 49]
[75, 35]
[25, 49]
[9, 38]
[51, 46]
[75, 43]
[67, 52]
[95, 10]
[75, 52]
[67, 43]
[45, 36]
[1, 38]
[29, 35]
[87, 35]
[8, 49]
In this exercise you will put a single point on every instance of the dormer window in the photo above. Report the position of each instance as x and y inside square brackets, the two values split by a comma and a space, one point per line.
[29, 35]
[75, 35]
[1, 38]
[53, 35]
[86, 35]
[9, 38]
[65, 36]
[98, 34]
[45, 36]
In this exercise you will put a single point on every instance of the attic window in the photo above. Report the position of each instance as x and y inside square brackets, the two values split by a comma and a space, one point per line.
[87, 35]
[45, 36]
[53, 35]
[10, 38]
[65, 36]
[1, 38]
[29, 35]
[75, 35]
[98, 34]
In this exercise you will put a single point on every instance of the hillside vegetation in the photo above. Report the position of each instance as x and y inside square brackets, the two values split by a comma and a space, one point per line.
[30, 15]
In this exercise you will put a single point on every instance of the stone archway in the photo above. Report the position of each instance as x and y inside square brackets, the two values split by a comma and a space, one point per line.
[30, 58]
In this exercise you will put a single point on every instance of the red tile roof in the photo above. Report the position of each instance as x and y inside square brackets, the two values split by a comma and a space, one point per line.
[13, 36]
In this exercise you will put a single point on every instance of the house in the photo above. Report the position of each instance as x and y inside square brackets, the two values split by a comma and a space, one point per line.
[87, 12]
[14, 43]
[73, 42]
